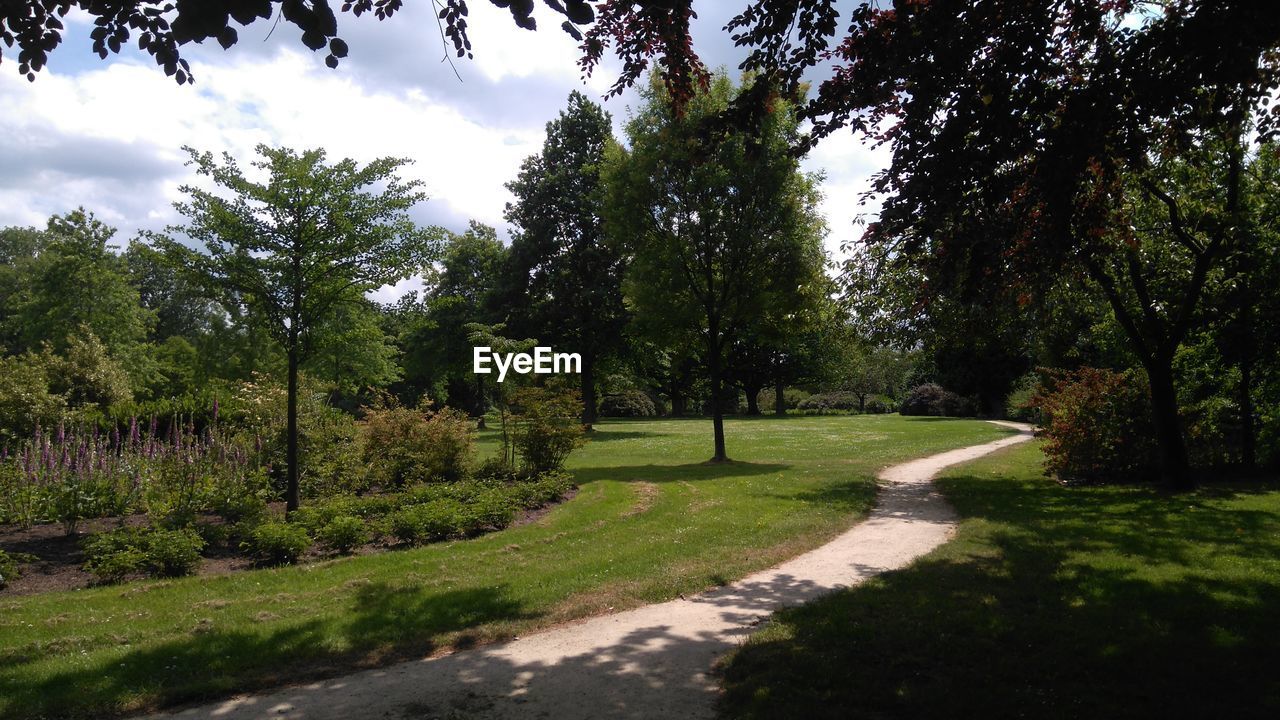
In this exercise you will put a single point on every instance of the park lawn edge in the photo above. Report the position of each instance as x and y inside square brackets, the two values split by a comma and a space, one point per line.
[836, 486]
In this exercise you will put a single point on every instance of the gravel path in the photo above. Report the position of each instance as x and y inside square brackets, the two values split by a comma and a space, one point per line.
[651, 662]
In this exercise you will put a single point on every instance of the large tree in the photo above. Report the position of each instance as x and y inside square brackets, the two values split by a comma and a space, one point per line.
[296, 246]
[710, 219]
[72, 280]
[1032, 141]
[567, 275]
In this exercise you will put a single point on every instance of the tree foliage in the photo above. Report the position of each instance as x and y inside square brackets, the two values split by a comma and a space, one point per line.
[295, 248]
[718, 225]
[566, 276]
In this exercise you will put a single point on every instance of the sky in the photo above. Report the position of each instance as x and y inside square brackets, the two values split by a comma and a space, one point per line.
[108, 134]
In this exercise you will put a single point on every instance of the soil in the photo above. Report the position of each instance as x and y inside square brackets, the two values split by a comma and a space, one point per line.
[59, 556]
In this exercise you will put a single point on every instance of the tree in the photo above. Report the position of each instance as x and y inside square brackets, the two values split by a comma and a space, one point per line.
[568, 276]
[710, 220]
[433, 332]
[73, 281]
[163, 27]
[1034, 143]
[295, 248]
[181, 307]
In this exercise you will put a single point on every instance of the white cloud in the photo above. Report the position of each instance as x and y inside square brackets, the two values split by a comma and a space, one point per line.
[108, 135]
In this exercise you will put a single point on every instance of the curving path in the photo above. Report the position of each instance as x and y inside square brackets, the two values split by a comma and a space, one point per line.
[651, 662]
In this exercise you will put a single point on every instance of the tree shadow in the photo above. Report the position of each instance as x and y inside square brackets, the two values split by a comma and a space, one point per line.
[383, 624]
[676, 473]
[1055, 603]
[638, 664]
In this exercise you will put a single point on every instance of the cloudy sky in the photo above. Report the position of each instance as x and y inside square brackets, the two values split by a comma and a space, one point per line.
[107, 135]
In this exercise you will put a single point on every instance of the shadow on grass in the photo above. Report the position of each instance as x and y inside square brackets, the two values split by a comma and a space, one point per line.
[383, 624]
[676, 473]
[1057, 602]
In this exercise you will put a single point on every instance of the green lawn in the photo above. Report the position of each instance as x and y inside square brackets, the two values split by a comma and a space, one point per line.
[1050, 602]
[650, 521]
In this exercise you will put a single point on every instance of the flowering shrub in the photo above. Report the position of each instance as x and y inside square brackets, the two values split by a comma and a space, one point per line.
[403, 445]
[1096, 426]
[70, 475]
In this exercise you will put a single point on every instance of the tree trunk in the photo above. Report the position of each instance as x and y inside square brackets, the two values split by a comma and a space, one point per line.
[753, 399]
[717, 392]
[291, 452]
[588, 378]
[1175, 471]
[862, 403]
[1248, 452]
[678, 404]
[779, 400]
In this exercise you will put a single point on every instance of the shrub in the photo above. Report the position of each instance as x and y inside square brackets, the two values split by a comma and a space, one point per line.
[495, 467]
[402, 445]
[791, 398]
[492, 509]
[932, 399]
[1097, 426]
[277, 543]
[173, 553]
[332, 462]
[627, 403]
[879, 405]
[418, 524]
[542, 489]
[11, 566]
[547, 427]
[113, 556]
[25, 399]
[344, 534]
[1020, 404]
[824, 402]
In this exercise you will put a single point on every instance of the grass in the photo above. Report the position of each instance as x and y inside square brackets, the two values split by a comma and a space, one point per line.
[650, 521]
[1050, 602]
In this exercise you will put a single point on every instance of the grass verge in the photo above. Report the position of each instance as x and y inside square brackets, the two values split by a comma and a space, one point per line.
[650, 521]
[1050, 602]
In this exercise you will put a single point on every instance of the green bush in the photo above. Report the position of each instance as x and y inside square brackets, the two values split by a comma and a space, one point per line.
[25, 399]
[627, 403]
[547, 427]
[1020, 405]
[332, 461]
[403, 446]
[173, 553]
[879, 405]
[418, 524]
[1097, 426]
[491, 510]
[277, 543]
[344, 534]
[494, 468]
[791, 398]
[113, 556]
[11, 566]
[933, 400]
[823, 402]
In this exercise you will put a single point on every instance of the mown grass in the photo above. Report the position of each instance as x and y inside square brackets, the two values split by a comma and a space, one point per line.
[1051, 602]
[650, 521]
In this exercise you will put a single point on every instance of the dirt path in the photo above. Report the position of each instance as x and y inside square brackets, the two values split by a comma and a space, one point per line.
[651, 662]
